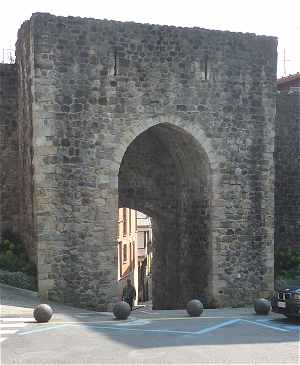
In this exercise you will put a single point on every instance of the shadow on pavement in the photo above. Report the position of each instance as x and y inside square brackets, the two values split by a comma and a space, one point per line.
[153, 329]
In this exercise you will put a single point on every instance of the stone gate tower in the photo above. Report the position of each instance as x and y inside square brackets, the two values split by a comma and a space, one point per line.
[174, 122]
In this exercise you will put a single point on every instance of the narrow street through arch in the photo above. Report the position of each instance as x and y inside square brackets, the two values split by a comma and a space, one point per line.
[165, 173]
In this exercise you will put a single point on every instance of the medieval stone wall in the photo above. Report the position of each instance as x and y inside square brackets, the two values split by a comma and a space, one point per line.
[9, 192]
[287, 171]
[96, 86]
[24, 61]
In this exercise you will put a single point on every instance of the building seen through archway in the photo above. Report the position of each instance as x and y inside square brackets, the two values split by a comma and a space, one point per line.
[135, 252]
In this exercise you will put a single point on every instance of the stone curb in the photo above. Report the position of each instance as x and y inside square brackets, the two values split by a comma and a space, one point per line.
[25, 291]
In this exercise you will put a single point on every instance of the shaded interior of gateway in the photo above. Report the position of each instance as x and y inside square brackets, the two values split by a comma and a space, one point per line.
[165, 174]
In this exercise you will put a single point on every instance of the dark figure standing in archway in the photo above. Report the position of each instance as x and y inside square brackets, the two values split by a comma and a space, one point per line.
[129, 293]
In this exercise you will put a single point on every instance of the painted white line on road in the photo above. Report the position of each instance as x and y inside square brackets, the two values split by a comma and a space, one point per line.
[3, 339]
[10, 325]
[44, 329]
[17, 319]
[213, 328]
[265, 325]
[7, 332]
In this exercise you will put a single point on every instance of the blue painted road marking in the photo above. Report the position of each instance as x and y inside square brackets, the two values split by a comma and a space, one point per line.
[142, 330]
[117, 328]
[262, 323]
[213, 328]
[43, 329]
[165, 331]
[266, 325]
[293, 327]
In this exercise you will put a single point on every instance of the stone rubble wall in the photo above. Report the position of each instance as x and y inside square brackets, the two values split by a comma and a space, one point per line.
[96, 85]
[24, 62]
[9, 189]
[287, 171]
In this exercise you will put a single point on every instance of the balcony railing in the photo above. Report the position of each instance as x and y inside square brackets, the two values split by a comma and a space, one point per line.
[7, 55]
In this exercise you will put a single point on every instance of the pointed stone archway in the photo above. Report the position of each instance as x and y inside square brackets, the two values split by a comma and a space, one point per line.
[165, 173]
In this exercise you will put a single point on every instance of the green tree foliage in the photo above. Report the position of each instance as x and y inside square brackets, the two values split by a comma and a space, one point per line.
[287, 263]
[13, 256]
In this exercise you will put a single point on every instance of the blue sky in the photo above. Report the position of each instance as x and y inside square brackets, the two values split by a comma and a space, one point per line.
[270, 17]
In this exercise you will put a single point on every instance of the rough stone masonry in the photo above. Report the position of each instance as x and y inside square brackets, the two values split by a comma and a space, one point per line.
[287, 172]
[175, 122]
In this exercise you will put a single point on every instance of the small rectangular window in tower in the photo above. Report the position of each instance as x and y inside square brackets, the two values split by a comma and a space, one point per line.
[115, 64]
[206, 68]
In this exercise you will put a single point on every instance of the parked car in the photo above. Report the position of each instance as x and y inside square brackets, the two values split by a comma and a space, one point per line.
[287, 301]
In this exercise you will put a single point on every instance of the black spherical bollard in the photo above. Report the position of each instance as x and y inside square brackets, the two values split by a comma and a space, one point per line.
[121, 310]
[262, 306]
[43, 313]
[194, 308]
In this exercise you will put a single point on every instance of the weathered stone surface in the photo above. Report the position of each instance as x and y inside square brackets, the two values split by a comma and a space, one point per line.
[121, 310]
[194, 308]
[175, 122]
[262, 306]
[9, 197]
[42, 313]
[287, 171]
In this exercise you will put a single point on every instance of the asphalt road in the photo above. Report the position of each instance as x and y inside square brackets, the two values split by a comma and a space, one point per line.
[75, 336]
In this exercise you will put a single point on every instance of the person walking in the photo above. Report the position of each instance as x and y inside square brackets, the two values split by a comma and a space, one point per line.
[129, 293]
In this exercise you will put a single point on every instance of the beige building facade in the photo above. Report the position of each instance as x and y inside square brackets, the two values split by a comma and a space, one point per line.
[135, 252]
[127, 248]
[145, 256]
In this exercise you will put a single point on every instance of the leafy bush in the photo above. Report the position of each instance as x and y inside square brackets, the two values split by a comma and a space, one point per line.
[13, 256]
[18, 279]
[287, 263]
